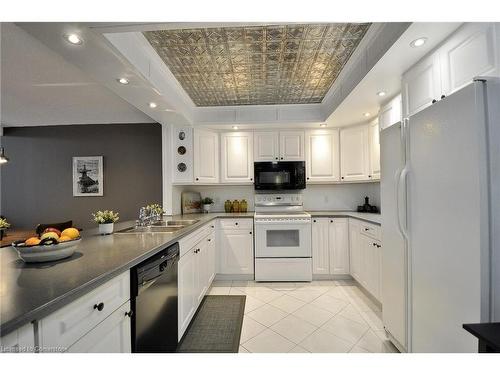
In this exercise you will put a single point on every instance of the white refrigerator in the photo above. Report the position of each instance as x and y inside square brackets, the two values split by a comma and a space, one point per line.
[440, 199]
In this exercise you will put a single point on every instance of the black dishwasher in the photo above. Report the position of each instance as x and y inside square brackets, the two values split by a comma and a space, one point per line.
[154, 303]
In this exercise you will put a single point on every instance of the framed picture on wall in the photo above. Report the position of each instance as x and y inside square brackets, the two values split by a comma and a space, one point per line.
[87, 176]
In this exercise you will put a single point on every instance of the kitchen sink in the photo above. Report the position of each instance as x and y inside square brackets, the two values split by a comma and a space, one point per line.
[152, 229]
[160, 227]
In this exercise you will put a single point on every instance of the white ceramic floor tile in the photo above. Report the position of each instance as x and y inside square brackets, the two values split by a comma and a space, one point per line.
[242, 283]
[363, 303]
[267, 315]
[283, 287]
[268, 342]
[250, 328]
[306, 295]
[242, 350]
[322, 341]
[293, 328]
[350, 312]
[287, 303]
[222, 283]
[299, 349]
[313, 315]
[373, 319]
[345, 328]
[219, 290]
[358, 349]
[371, 342]
[264, 294]
[345, 282]
[338, 293]
[323, 282]
[252, 303]
[334, 305]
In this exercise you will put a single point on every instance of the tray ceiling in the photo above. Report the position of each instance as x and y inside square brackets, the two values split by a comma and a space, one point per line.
[285, 64]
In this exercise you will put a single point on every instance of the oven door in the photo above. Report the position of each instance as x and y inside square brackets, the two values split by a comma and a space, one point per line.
[283, 175]
[279, 239]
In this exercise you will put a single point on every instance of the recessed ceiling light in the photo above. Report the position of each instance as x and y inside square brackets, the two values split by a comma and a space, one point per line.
[418, 42]
[123, 81]
[322, 125]
[153, 105]
[73, 38]
[366, 114]
[235, 127]
[381, 93]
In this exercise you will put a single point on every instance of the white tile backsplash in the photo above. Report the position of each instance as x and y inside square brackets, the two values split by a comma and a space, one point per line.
[316, 197]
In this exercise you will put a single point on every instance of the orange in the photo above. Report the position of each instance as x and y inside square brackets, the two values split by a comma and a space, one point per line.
[64, 238]
[72, 233]
[32, 241]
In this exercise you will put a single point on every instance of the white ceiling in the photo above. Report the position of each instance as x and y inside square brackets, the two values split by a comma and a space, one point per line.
[39, 87]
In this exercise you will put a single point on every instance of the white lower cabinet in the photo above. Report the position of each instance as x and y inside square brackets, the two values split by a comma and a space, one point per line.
[330, 246]
[338, 239]
[68, 325]
[112, 335]
[236, 250]
[21, 340]
[366, 255]
[196, 271]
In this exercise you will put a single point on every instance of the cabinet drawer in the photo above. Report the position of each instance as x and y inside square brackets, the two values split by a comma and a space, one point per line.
[67, 325]
[370, 230]
[112, 335]
[236, 223]
[188, 242]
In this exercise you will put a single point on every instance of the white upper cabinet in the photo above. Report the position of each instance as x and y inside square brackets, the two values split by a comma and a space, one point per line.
[266, 146]
[374, 138]
[291, 145]
[472, 51]
[206, 157]
[354, 153]
[421, 85]
[338, 238]
[322, 155]
[390, 113]
[237, 157]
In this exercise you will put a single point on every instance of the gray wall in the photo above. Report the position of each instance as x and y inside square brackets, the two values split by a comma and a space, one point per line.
[36, 184]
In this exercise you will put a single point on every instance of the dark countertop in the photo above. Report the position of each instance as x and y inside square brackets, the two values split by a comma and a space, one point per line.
[366, 216]
[32, 291]
[487, 333]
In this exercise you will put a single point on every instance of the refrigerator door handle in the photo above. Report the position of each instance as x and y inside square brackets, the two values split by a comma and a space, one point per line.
[402, 188]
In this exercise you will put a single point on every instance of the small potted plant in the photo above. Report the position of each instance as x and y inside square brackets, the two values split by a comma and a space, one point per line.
[207, 203]
[4, 225]
[106, 220]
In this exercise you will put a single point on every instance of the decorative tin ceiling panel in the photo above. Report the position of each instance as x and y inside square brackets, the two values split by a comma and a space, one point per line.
[285, 64]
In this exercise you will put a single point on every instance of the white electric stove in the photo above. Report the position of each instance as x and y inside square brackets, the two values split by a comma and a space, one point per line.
[282, 238]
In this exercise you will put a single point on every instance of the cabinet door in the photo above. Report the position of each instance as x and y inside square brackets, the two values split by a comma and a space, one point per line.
[354, 153]
[237, 157]
[236, 252]
[338, 239]
[201, 270]
[355, 250]
[374, 138]
[266, 146]
[320, 252]
[421, 85]
[390, 113]
[470, 52]
[186, 289]
[112, 335]
[211, 249]
[21, 340]
[206, 157]
[322, 155]
[372, 265]
[292, 145]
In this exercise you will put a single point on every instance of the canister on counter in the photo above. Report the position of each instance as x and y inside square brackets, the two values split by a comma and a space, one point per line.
[236, 206]
[243, 205]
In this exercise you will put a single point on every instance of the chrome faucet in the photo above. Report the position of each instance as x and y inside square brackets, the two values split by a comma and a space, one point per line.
[146, 217]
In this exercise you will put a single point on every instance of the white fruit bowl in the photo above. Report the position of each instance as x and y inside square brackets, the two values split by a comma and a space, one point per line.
[46, 253]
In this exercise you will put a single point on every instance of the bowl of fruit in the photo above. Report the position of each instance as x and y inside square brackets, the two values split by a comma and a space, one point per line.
[51, 245]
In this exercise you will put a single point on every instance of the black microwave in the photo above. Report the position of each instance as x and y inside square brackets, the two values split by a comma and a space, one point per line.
[279, 175]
